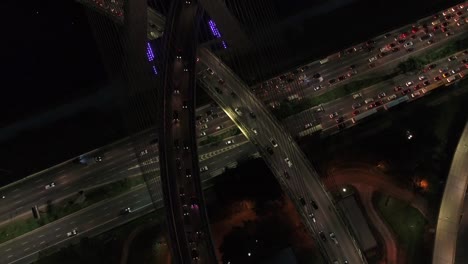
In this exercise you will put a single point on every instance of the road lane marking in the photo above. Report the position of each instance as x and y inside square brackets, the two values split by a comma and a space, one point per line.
[38, 180]
[107, 214]
[59, 235]
[26, 249]
[19, 201]
[72, 222]
[41, 235]
[24, 243]
[15, 190]
[10, 256]
[8, 249]
[42, 243]
[57, 229]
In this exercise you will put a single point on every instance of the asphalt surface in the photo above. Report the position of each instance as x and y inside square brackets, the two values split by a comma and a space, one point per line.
[304, 181]
[451, 208]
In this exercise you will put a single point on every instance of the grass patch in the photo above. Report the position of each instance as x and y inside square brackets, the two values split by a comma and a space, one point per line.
[220, 137]
[288, 108]
[418, 63]
[104, 248]
[56, 211]
[407, 223]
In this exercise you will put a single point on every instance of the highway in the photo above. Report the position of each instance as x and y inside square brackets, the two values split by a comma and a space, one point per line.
[451, 208]
[92, 221]
[304, 181]
[187, 219]
[337, 69]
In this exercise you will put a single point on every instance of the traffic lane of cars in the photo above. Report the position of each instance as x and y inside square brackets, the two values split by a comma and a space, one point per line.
[336, 70]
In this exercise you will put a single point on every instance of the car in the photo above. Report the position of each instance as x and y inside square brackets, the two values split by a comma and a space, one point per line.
[219, 127]
[449, 33]
[254, 130]
[395, 49]
[437, 78]
[308, 125]
[441, 70]
[252, 115]
[341, 78]
[409, 83]
[452, 58]
[186, 145]
[286, 175]
[230, 142]
[314, 204]
[270, 150]
[311, 215]
[184, 105]
[238, 111]
[357, 96]
[126, 211]
[188, 173]
[398, 88]
[382, 95]
[426, 83]
[356, 112]
[322, 236]
[408, 44]
[317, 88]
[339, 120]
[50, 185]
[176, 91]
[417, 86]
[356, 105]
[391, 97]
[409, 49]
[205, 126]
[422, 77]
[176, 144]
[333, 237]
[341, 126]
[74, 232]
[331, 81]
[301, 199]
[175, 116]
[415, 94]
[406, 91]
[429, 42]
[194, 253]
[273, 142]
[333, 115]
[221, 81]
[372, 59]
[204, 168]
[98, 158]
[445, 74]
[288, 162]
[210, 71]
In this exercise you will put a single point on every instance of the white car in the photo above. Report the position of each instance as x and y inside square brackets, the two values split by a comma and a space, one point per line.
[273, 142]
[308, 125]
[202, 134]
[51, 185]
[409, 83]
[288, 162]
[255, 131]
[422, 77]
[392, 97]
[333, 115]
[317, 88]
[357, 96]
[74, 232]
[373, 59]
[333, 237]
[210, 71]
[415, 94]
[126, 211]
[205, 126]
[238, 111]
[408, 44]
[204, 168]
[230, 142]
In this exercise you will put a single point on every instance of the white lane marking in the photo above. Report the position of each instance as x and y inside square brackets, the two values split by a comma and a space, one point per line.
[107, 214]
[138, 201]
[18, 201]
[42, 243]
[15, 190]
[8, 249]
[59, 235]
[10, 256]
[41, 235]
[38, 180]
[57, 229]
[72, 222]
[26, 249]
[24, 243]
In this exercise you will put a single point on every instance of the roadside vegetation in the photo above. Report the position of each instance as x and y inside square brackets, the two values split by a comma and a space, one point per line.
[415, 64]
[412, 64]
[407, 224]
[69, 206]
[107, 247]
[218, 138]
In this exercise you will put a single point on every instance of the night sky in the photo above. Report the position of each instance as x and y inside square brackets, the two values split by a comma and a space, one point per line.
[51, 59]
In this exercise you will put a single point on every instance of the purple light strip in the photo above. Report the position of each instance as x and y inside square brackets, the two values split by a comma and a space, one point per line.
[154, 70]
[215, 31]
[149, 52]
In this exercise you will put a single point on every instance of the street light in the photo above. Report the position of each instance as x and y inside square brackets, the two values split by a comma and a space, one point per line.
[344, 189]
